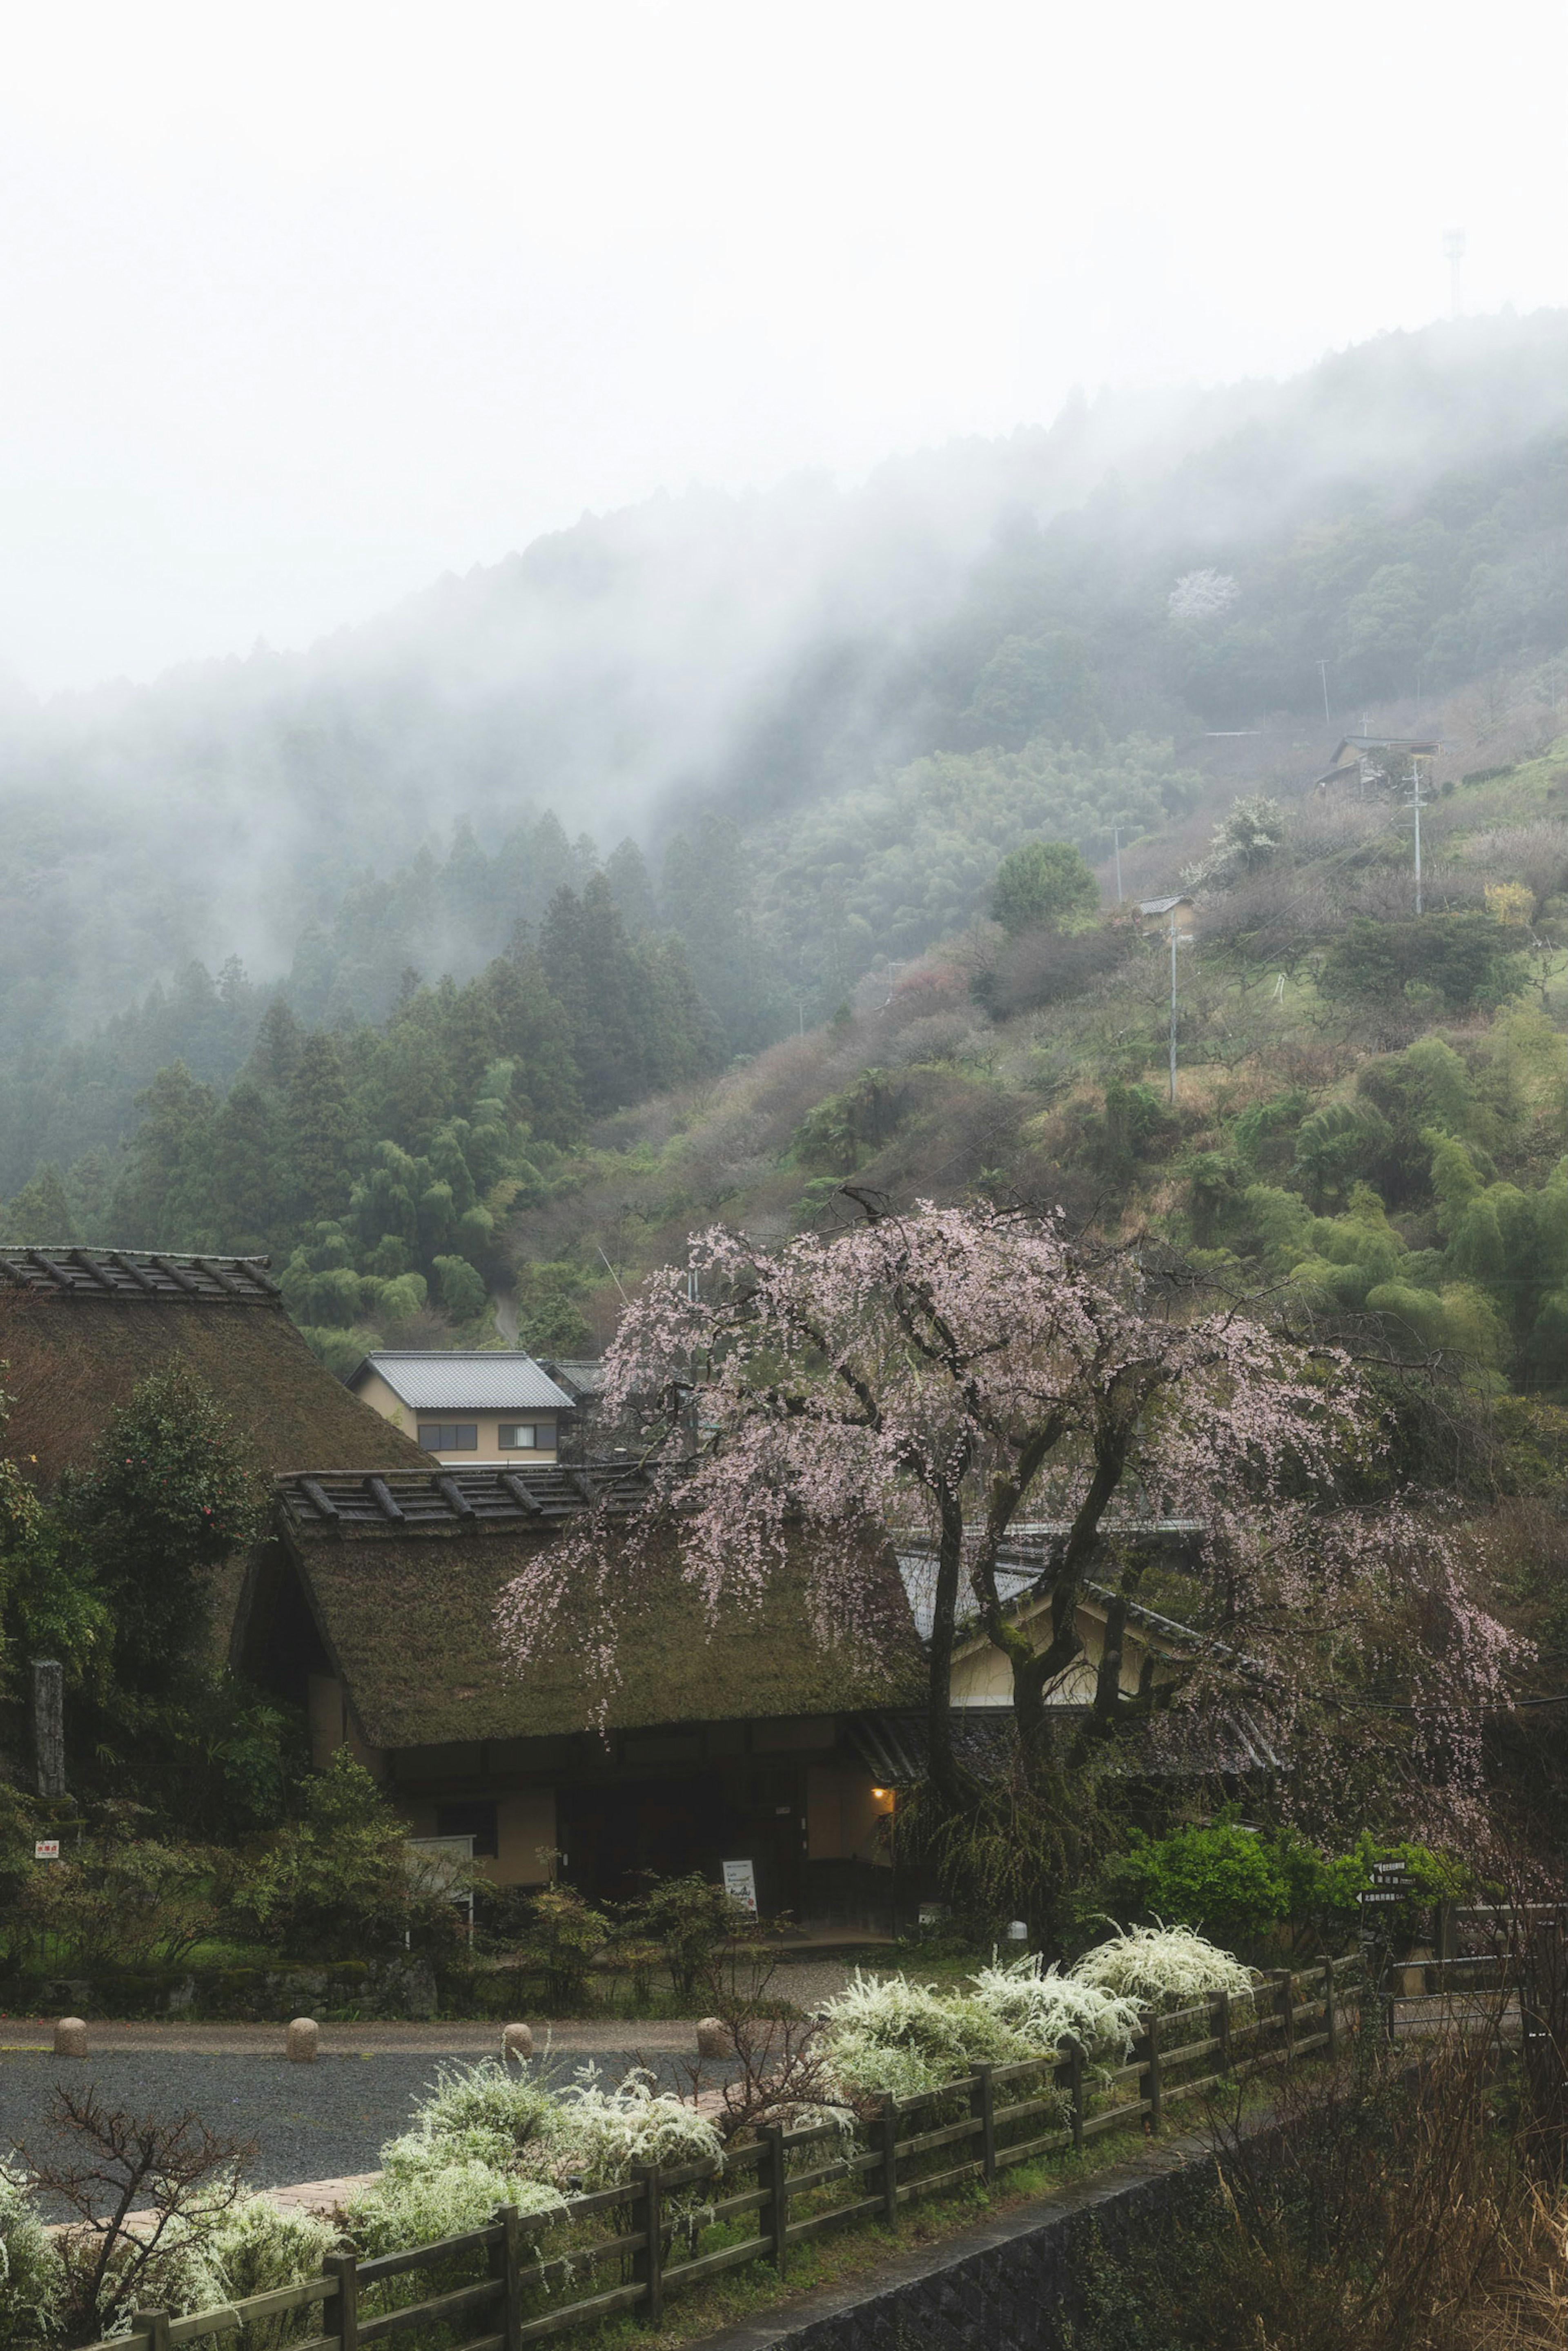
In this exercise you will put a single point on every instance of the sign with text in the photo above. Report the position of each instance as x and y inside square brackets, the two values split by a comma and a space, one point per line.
[1392, 1885]
[740, 1884]
[46, 1849]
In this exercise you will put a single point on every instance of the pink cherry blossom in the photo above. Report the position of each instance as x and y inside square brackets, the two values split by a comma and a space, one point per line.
[964, 1369]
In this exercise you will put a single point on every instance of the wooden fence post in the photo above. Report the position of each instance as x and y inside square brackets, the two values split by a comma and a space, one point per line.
[1222, 2029]
[778, 2205]
[1155, 2098]
[1075, 2091]
[1285, 2001]
[506, 2263]
[887, 2131]
[154, 2325]
[345, 2268]
[982, 2105]
[1331, 2012]
[648, 2267]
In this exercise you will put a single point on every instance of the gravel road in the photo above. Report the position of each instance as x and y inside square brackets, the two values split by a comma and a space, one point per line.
[309, 2122]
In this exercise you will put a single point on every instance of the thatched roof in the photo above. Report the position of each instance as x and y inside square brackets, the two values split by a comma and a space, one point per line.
[406, 1606]
[80, 1328]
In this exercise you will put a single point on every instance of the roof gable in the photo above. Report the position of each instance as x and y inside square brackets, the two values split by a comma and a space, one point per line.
[463, 1380]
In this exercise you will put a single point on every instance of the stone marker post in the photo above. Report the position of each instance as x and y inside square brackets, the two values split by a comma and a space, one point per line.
[302, 2041]
[49, 1727]
[70, 2037]
[517, 2041]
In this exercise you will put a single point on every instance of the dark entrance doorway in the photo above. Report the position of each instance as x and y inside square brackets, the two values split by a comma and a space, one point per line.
[612, 1831]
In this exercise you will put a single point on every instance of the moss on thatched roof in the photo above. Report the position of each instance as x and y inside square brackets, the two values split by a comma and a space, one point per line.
[409, 1612]
[68, 1358]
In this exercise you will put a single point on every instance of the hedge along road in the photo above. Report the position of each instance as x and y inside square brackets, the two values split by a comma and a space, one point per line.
[323, 2121]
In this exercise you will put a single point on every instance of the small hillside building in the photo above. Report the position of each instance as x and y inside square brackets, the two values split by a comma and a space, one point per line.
[1362, 765]
[1160, 916]
[471, 1408]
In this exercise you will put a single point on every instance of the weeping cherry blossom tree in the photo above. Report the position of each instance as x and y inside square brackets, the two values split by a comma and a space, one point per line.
[961, 1370]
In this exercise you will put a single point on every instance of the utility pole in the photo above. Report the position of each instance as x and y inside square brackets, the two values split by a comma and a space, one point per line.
[1116, 837]
[1173, 999]
[1415, 804]
[1323, 676]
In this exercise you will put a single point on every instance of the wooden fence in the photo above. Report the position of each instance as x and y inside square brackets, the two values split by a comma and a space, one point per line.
[788, 2188]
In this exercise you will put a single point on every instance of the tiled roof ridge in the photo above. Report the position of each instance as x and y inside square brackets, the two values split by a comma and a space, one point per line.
[90, 1270]
[407, 1501]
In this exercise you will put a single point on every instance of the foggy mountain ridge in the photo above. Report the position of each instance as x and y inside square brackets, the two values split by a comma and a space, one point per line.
[761, 654]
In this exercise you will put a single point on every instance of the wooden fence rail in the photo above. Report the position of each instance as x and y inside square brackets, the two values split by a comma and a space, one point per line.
[499, 2280]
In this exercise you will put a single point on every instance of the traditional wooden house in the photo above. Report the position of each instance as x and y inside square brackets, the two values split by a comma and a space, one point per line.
[1158, 917]
[1156, 1650]
[1366, 766]
[374, 1606]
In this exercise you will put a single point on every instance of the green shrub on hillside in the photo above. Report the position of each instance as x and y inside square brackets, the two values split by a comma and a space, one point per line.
[1043, 884]
[1461, 960]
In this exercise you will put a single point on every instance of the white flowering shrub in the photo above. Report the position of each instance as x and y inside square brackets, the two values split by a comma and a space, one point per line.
[485, 2138]
[601, 2133]
[1162, 1967]
[1045, 2007]
[417, 2203]
[257, 2245]
[885, 2036]
[32, 2275]
[480, 2113]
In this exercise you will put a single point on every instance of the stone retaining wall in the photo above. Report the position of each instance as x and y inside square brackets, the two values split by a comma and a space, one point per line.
[1005, 2285]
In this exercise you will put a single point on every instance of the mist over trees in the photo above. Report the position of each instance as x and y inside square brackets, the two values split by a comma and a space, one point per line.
[814, 721]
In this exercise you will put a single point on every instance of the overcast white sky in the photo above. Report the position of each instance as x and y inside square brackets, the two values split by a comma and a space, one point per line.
[304, 304]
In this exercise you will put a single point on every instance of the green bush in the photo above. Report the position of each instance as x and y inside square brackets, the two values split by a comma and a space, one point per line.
[690, 1921]
[1225, 1879]
[1045, 883]
[1463, 960]
[563, 1934]
[32, 2276]
[1241, 1886]
[337, 1883]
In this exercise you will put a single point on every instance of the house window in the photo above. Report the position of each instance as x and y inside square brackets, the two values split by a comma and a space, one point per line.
[526, 1436]
[474, 1820]
[449, 1435]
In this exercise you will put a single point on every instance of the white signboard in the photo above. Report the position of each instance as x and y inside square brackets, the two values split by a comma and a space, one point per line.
[433, 1864]
[46, 1849]
[740, 1884]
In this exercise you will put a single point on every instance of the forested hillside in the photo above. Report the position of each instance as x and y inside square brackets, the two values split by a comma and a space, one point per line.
[1369, 1108]
[469, 1035]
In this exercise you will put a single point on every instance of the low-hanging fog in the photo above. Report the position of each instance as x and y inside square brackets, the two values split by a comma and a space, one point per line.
[799, 311]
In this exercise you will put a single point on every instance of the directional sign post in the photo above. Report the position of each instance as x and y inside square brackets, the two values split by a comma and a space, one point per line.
[1392, 1884]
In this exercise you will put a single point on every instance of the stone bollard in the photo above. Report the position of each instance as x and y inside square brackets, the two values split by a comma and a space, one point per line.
[70, 2037]
[517, 2041]
[714, 2038]
[302, 2041]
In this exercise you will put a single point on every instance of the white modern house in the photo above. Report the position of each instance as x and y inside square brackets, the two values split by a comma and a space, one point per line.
[472, 1408]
